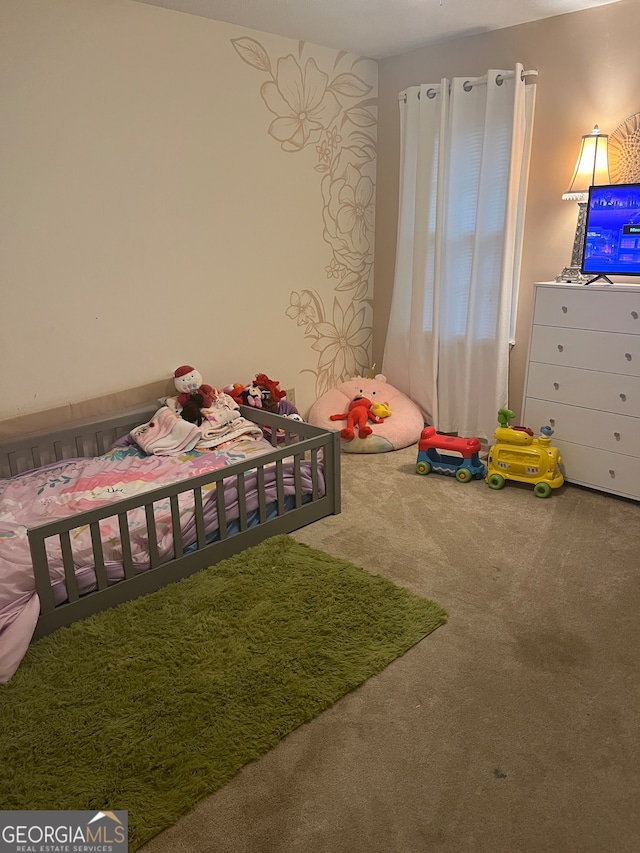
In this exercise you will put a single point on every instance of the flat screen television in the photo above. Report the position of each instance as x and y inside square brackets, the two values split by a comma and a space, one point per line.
[612, 231]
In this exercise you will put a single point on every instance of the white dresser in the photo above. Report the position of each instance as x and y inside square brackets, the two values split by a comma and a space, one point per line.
[583, 378]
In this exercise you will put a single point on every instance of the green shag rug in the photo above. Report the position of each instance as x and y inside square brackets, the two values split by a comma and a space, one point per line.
[154, 704]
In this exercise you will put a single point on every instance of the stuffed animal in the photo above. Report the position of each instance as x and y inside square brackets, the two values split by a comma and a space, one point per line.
[188, 381]
[380, 410]
[358, 415]
[245, 395]
[271, 392]
[252, 396]
[287, 409]
[402, 429]
[235, 390]
[192, 409]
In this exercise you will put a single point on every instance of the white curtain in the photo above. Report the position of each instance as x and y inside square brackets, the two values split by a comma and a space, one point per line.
[464, 164]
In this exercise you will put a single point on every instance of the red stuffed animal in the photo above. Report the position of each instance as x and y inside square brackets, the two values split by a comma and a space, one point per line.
[271, 393]
[358, 415]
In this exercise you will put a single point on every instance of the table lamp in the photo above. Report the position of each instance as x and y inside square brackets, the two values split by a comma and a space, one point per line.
[592, 167]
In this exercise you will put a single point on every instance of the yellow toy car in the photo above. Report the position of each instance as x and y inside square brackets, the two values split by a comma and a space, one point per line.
[519, 455]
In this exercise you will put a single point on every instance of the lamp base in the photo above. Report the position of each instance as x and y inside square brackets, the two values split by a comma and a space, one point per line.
[573, 275]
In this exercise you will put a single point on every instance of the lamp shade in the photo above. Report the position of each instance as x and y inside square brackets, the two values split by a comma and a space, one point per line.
[592, 166]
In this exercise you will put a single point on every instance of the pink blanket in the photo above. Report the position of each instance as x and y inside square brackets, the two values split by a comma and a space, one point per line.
[62, 489]
[167, 434]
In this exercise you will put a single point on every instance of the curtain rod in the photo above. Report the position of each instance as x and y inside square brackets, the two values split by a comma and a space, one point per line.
[468, 85]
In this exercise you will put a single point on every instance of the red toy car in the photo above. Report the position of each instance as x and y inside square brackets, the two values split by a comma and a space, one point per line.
[448, 454]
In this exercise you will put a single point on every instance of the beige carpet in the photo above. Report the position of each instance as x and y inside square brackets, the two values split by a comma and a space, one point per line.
[513, 729]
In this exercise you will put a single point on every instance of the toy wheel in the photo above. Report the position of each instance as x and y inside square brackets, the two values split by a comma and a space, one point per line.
[495, 481]
[463, 475]
[542, 490]
[423, 468]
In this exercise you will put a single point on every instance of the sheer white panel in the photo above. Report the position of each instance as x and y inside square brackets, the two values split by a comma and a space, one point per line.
[464, 165]
[411, 348]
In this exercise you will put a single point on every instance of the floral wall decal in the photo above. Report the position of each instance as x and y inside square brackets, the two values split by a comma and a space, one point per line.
[333, 114]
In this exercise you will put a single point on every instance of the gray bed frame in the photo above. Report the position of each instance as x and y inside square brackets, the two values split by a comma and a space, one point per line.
[96, 436]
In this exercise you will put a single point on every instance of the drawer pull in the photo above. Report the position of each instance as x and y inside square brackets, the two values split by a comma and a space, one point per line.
[556, 385]
[552, 421]
[623, 397]
[628, 356]
[560, 348]
[634, 314]
[616, 435]
[612, 473]
[564, 309]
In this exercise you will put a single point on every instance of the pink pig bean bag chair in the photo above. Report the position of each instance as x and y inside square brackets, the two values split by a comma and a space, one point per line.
[400, 429]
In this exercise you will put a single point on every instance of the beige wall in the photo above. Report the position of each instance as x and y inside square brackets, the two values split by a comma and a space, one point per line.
[588, 69]
[150, 218]
[164, 203]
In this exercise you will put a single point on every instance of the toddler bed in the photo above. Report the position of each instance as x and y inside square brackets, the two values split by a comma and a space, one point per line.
[85, 526]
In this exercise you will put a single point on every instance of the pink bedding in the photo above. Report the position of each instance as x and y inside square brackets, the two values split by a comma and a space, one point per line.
[66, 488]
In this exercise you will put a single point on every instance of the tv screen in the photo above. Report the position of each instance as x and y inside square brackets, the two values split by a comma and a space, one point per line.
[612, 231]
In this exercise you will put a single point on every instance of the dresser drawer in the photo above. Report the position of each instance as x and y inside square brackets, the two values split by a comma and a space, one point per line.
[600, 469]
[591, 389]
[604, 351]
[582, 308]
[589, 427]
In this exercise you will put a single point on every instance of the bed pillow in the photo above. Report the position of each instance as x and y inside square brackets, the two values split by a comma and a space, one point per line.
[400, 429]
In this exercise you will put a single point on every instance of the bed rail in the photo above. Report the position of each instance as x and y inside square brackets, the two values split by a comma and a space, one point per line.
[290, 439]
[90, 437]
